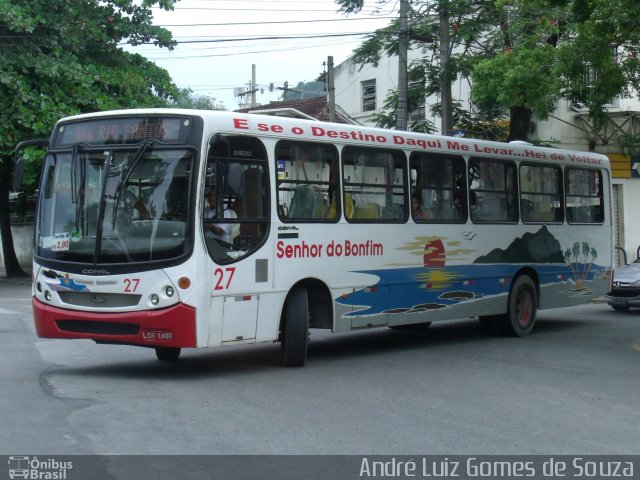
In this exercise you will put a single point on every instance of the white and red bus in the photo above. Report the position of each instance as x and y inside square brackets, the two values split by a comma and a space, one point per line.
[173, 229]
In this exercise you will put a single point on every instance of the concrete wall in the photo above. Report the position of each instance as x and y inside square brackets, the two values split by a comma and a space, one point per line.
[22, 242]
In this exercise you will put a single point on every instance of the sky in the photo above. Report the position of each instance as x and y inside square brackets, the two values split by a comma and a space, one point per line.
[219, 40]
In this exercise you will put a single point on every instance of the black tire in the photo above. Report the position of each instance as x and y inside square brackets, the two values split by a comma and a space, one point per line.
[295, 332]
[620, 308]
[168, 354]
[521, 309]
[413, 327]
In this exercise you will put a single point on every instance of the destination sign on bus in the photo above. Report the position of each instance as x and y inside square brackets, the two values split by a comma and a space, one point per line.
[423, 142]
[123, 130]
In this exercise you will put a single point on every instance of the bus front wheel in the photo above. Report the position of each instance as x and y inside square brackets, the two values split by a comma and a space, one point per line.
[521, 309]
[167, 354]
[295, 333]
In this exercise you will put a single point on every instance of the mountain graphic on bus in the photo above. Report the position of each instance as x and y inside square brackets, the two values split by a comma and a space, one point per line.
[436, 286]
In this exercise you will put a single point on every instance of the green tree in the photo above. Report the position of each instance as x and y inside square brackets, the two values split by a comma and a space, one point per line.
[304, 90]
[521, 55]
[187, 99]
[521, 73]
[602, 60]
[63, 57]
[471, 35]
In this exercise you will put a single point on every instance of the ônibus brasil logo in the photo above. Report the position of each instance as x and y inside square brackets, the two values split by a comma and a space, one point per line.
[38, 469]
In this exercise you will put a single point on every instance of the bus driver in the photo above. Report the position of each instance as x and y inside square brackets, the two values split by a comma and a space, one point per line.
[217, 231]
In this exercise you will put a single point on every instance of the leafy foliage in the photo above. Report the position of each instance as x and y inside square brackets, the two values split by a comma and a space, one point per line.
[187, 99]
[602, 61]
[522, 55]
[62, 57]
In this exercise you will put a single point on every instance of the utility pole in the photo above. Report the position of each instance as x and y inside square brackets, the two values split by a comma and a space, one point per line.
[253, 89]
[331, 90]
[445, 83]
[253, 85]
[403, 80]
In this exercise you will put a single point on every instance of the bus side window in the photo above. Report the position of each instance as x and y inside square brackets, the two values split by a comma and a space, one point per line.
[492, 190]
[541, 194]
[237, 171]
[439, 188]
[584, 198]
[306, 182]
[374, 181]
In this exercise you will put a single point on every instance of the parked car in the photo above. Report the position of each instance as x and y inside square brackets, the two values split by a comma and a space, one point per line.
[625, 287]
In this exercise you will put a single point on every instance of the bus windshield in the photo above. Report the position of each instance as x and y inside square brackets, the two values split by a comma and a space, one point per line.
[115, 205]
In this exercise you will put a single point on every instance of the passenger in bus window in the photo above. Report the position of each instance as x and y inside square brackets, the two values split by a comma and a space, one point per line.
[416, 209]
[217, 231]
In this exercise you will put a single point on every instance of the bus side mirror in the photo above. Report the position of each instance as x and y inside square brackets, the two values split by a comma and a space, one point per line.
[19, 164]
[18, 174]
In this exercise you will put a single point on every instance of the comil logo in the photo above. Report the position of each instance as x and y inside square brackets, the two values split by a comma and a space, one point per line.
[38, 469]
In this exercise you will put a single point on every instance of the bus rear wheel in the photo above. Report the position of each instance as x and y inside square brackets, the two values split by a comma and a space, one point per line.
[295, 333]
[168, 354]
[521, 309]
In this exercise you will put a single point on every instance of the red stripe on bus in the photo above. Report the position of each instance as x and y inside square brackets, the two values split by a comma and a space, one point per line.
[167, 327]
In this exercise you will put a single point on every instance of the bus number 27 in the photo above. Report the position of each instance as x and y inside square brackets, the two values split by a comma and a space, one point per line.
[223, 277]
[131, 284]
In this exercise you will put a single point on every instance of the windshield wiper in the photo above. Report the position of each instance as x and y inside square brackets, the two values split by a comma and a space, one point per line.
[75, 186]
[126, 175]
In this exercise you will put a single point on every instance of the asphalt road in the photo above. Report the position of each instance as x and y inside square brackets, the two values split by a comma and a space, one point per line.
[572, 387]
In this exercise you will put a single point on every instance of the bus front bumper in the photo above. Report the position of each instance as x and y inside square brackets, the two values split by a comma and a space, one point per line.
[168, 327]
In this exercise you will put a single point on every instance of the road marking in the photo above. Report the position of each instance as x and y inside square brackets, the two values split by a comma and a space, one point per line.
[8, 312]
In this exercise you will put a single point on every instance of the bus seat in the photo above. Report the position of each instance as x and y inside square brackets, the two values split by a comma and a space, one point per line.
[348, 205]
[332, 210]
[307, 203]
[368, 211]
[393, 212]
[302, 203]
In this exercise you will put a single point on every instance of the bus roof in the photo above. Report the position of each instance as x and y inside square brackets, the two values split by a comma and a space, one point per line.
[278, 127]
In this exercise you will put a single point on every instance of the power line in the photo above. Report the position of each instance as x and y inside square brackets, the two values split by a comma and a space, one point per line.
[250, 39]
[272, 23]
[212, 55]
[275, 10]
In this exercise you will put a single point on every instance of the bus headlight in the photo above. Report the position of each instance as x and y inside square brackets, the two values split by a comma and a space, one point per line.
[169, 291]
[155, 299]
[47, 295]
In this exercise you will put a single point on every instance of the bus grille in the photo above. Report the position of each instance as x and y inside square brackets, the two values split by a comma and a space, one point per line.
[104, 328]
[103, 300]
